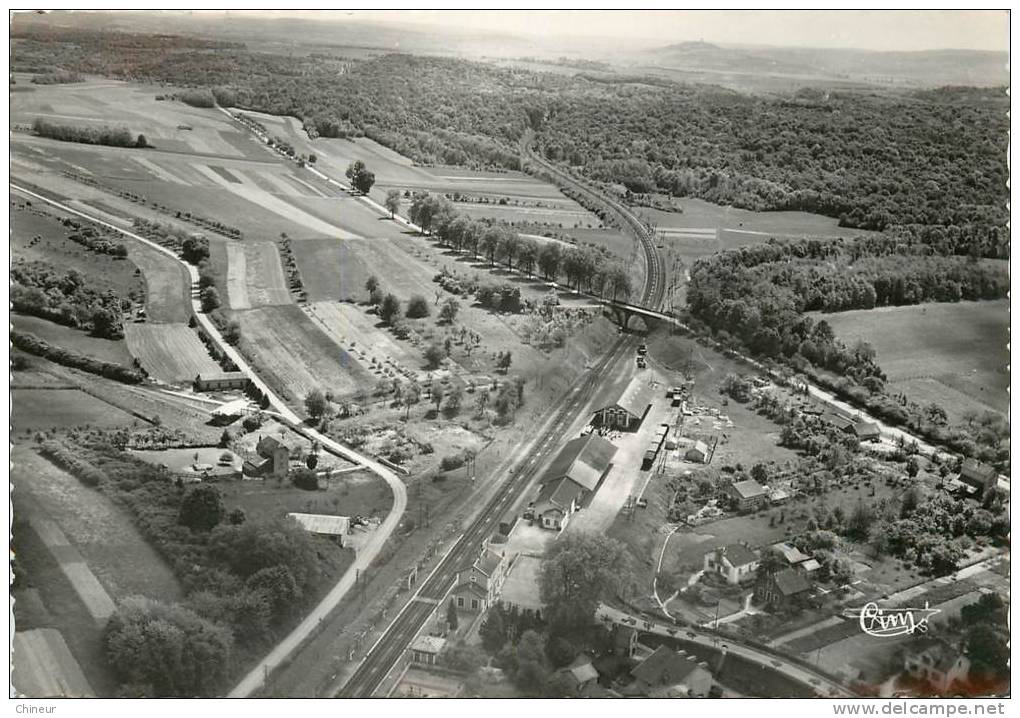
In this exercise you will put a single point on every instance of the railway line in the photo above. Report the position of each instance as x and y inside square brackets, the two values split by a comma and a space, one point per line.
[655, 277]
[388, 650]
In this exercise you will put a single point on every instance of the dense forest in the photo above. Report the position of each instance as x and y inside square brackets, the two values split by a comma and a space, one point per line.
[875, 160]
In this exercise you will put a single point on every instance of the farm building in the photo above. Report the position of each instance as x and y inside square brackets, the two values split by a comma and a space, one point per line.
[219, 381]
[782, 587]
[572, 476]
[580, 673]
[478, 585]
[324, 525]
[666, 669]
[748, 494]
[230, 409]
[272, 459]
[792, 556]
[629, 408]
[866, 431]
[520, 590]
[697, 453]
[736, 562]
[978, 475]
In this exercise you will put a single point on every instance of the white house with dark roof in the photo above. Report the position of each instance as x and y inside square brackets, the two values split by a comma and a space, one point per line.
[628, 409]
[735, 562]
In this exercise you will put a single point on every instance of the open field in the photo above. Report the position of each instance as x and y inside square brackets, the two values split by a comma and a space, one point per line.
[254, 275]
[296, 355]
[172, 353]
[62, 408]
[99, 529]
[112, 350]
[332, 269]
[952, 354]
[169, 287]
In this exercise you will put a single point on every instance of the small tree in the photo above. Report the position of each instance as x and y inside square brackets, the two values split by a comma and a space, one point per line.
[451, 616]
[913, 467]
[454, 398]
[305, 479]
[392, 202]
[434, 356]
[437, 393]
[389, 308]
[503, 361]
[316, 403]
[236, 517]
[410, 394]
[210, 299]
[448, 312]
[202, 508]
[417, 307]
[225, 439]
[371, 284]
[359, 175]
[141, 142]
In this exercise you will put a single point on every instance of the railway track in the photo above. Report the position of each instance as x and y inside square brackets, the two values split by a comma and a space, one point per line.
[655, 278]
[388, 650]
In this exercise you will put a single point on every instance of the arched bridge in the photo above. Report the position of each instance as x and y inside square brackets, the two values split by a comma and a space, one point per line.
[622, 313]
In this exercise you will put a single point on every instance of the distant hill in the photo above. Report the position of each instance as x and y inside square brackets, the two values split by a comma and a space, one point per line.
[927, 68]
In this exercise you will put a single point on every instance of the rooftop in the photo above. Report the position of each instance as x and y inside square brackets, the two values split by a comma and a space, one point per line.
[790, 582]
[323, 523]
[738, 554]
[748, 489]
[428, 644]
[665, 667]
[636, 397]
[583, 460]
[792, 554]
[977, 470]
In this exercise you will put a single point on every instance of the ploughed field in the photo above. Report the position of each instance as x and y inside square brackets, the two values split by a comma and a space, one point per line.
[171, 353]
[952, 354]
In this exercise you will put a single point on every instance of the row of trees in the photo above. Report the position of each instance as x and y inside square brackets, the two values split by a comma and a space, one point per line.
[112, 136]
[582, 267]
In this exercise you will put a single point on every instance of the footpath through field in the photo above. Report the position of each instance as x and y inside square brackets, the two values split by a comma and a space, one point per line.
[255, 679]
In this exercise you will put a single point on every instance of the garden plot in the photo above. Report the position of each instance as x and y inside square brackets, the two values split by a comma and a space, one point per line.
[296, 354]
[375, 349]
[171, 353]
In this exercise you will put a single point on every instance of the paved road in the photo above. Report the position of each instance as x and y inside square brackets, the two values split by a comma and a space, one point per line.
[254, 680]
[816, 681]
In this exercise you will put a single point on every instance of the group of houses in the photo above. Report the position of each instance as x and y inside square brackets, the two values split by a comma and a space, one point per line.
[738, 564]
[575, 474]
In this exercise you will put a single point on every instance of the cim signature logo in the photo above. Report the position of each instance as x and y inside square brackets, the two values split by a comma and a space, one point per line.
[889, 622]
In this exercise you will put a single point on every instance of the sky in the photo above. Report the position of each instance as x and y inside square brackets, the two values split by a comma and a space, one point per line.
[863, 29]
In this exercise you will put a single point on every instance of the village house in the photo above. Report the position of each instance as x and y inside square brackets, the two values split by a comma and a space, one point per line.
[735, 562]
[272, 459]
[222, 380]
[572, 477]
[581, 672]
[938, 663]
[748, 494]
[669, 669]
[426, 650]
[791, 555]
[477, 586]
[697, 453]
[978, 476]
[782, 588]
[627, 410]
